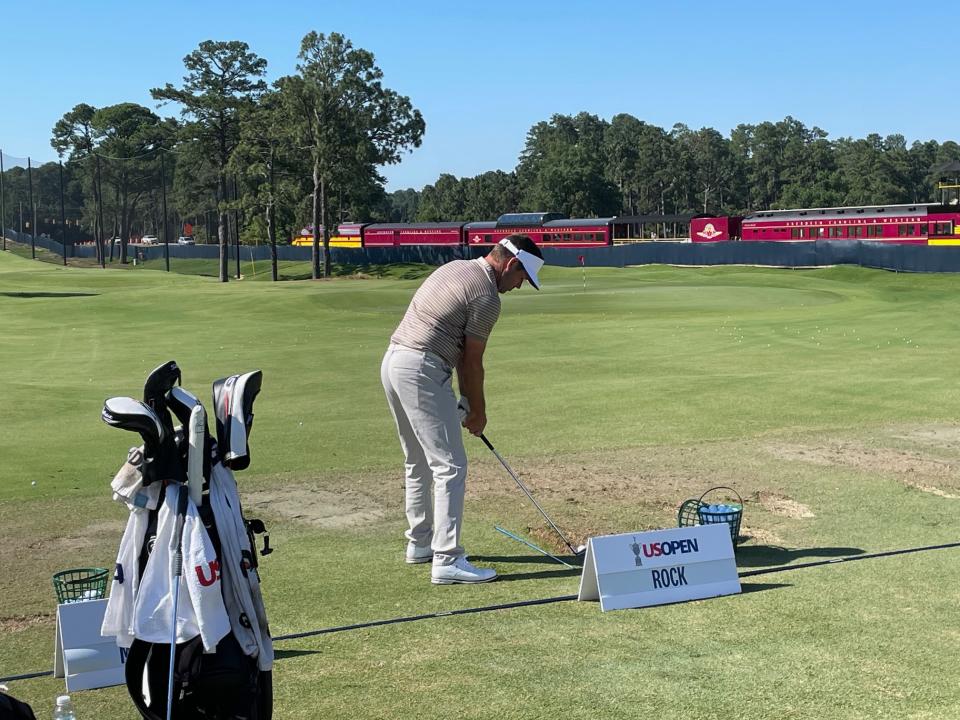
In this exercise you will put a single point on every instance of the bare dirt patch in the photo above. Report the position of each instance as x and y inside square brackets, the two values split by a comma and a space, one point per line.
[782, 506]
[90, 536]
[759, 536]
[319, 508]
[912, 468]
[17, 623]
[947, 436]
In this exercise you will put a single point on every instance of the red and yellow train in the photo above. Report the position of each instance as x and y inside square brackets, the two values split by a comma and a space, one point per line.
[917, 224]
[548, 229]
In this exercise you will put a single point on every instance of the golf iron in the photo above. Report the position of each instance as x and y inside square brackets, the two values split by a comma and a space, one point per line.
[577, 551]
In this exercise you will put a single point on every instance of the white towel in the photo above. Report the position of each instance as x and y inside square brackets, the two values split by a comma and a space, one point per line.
[200, 610]
[127, 484]
[118, 617]
[241, 590]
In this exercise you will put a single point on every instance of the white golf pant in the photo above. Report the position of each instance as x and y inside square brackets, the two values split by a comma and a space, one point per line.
[420, 393]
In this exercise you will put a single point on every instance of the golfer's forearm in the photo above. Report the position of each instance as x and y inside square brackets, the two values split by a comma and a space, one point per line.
[470, 380]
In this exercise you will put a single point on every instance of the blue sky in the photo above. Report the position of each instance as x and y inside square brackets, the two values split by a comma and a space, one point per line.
[483, 73]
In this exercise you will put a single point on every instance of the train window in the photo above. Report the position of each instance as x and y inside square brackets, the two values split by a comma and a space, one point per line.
[486, 238]
[566, 238]
[836, 232]
[874, 230]
[856, 231]
[944, 228]
[794, 233]
[817, 232]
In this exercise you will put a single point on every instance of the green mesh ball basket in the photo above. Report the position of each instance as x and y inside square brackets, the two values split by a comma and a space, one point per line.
[697, 512]
[80, 584]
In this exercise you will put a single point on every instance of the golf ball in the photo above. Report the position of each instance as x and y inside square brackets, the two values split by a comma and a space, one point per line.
[34, 483]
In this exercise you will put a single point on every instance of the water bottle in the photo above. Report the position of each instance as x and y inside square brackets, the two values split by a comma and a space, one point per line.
[64, 710]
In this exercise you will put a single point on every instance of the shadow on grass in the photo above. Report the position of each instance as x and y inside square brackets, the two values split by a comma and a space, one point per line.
[771, 555]
[541, 575]
[284, 654]
[760, 587]
[47, 294]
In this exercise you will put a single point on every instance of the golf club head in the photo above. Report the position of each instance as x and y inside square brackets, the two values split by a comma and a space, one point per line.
[233, 408]
[161, 460]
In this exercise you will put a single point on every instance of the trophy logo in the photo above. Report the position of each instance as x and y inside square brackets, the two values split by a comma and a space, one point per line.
[635, 546]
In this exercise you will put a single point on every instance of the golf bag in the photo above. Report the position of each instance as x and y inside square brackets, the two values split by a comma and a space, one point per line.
[185, 514]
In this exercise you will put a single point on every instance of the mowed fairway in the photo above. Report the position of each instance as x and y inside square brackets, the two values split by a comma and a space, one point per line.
[827, 398]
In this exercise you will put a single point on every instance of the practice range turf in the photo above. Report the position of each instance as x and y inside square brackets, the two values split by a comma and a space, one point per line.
[827, 398]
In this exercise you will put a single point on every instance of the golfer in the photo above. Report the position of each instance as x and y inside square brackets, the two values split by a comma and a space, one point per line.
[446, 326]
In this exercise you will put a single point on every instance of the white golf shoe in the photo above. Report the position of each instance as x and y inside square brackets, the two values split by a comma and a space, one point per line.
[461, 571]
[418, 555]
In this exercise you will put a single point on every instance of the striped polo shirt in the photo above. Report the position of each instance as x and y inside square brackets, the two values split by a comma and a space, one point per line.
[458, 299]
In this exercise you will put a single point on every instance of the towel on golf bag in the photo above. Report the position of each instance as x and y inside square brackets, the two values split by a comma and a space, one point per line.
[241, 584]
[127, 484]
[200, 610]
[118, 617]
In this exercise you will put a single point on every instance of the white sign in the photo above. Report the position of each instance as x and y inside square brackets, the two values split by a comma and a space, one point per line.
[83, 656]
[659, 567]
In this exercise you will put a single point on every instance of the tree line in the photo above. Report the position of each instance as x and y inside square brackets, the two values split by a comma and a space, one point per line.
[307, 150]
[585, 166]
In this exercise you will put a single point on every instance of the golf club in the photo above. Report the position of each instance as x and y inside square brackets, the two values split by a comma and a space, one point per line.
[233, 398]
[177, 571]
[159, 463]
[195, 453]
[463, 408]
[159, 382]
[575, 550]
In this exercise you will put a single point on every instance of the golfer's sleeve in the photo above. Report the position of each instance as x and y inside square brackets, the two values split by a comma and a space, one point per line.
[482, 314]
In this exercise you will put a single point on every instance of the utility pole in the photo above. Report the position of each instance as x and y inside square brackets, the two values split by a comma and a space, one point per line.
[163, 189]
[63, 218]
[103, 230]
[33, 208]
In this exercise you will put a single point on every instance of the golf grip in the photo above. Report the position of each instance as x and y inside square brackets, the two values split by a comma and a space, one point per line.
[182, 495]
[527, 493]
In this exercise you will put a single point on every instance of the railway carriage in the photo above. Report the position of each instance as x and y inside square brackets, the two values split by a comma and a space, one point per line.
[914, 224]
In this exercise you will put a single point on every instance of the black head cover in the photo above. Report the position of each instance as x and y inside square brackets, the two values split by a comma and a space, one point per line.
[161, 460]
[159, 382]
[233, 407]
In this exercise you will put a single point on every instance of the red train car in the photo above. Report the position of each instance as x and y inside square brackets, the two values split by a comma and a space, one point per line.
[547, 229]
[399, 234]
[917, 224]
[715, 229]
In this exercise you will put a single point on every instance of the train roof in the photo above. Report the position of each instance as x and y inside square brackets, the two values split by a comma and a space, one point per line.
[841, 213]
[527, 219]
[578, 222]
[411, 226]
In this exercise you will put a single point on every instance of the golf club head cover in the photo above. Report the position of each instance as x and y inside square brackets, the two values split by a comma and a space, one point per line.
[159, 382]
[182, 404]
[161, 460]
[233, 407]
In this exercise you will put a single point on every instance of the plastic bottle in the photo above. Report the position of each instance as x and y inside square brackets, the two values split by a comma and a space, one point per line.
[64, 709]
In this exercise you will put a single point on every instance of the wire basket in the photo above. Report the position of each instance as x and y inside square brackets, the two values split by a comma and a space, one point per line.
[697, 512]
[80, 584]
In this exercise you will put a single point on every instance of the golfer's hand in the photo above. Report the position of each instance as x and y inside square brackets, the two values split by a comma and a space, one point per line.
[475, 422]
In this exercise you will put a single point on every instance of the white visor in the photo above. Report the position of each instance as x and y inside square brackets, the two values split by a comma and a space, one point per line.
[530, 262]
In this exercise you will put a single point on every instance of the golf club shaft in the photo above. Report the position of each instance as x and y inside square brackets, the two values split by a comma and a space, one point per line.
[177, 574]
[527, 493]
